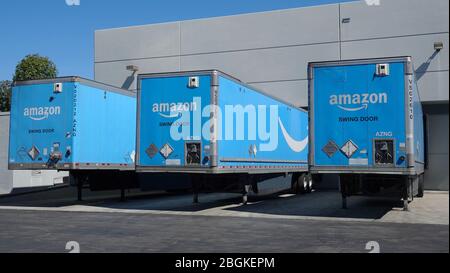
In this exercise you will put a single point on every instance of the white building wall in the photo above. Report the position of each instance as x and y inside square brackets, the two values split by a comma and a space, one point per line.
[6, 177]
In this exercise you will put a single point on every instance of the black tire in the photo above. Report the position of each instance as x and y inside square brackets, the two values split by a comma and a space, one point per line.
[303, 183]
[310, 183]
[421, 191]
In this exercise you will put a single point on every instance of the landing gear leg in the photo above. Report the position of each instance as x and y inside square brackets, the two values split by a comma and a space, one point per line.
[122, 191]
[195, 198]
[79, 183]
[344, 201]
[406, 193]
[405, 205]
[344, 193]
[122, 195]
[245, 194]
[195, 189]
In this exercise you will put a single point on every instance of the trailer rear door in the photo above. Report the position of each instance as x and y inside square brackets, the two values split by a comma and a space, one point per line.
[358, 116]
[41, 125]
[171, 125]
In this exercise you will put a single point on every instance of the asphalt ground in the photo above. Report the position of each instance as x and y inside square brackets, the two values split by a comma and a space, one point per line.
[161, 222]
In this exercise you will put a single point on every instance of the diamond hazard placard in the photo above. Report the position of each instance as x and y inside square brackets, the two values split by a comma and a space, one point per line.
[349, 149]
[330, 149]
[33, 153]
[166, 151]
[152, 151]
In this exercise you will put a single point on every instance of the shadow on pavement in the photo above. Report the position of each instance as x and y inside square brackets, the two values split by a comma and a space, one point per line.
[316, 204]
[64, 196]
[323, 204]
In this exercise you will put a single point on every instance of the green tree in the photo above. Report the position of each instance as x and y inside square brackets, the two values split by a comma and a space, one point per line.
[35, 67]
[5, 96]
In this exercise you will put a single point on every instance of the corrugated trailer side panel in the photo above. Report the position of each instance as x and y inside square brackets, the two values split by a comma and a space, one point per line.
[265, 133]
[104, 127]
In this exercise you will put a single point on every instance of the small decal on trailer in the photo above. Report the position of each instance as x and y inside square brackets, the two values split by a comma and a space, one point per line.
[151, 151]
[330, 149]
[166, 151]
[173, 162]
[358, 161]
[349, 149]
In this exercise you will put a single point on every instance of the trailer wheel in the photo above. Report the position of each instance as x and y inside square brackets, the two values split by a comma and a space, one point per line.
[421, 191]
[303, 183]
[300, 184]
[310, 186]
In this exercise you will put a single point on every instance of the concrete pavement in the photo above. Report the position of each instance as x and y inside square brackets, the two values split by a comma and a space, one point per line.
[161, 222]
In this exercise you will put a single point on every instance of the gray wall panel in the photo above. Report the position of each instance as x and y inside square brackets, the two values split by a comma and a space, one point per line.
[6, 177]
[137, 42]
[394, 18]
[433, 86]
[295, 92]
[267, 29]
[437, 176]
[115, 73]
[419, 47]
[438, 143]
[262, 65]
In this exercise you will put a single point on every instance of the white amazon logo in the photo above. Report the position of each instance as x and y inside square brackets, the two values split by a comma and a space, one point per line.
[364, 106]
[295, 145]
[175, 109]
[357, 102]
[172, 115]
[41, 113]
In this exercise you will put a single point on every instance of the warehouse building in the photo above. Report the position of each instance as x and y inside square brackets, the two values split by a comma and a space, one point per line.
[271, 50]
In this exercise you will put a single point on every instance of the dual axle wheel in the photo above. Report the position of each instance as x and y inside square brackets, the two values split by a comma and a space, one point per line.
[302, 183]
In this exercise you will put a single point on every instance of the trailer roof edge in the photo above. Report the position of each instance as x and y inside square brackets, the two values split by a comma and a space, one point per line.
[76, 79]
[359, 61]
[220, 73]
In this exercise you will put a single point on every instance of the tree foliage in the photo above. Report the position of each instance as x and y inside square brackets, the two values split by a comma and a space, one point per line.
[5, 96]
[35, 67]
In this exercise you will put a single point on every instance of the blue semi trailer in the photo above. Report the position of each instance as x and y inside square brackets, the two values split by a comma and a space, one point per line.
[226, 135]
[77, 125]
[366, 124]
